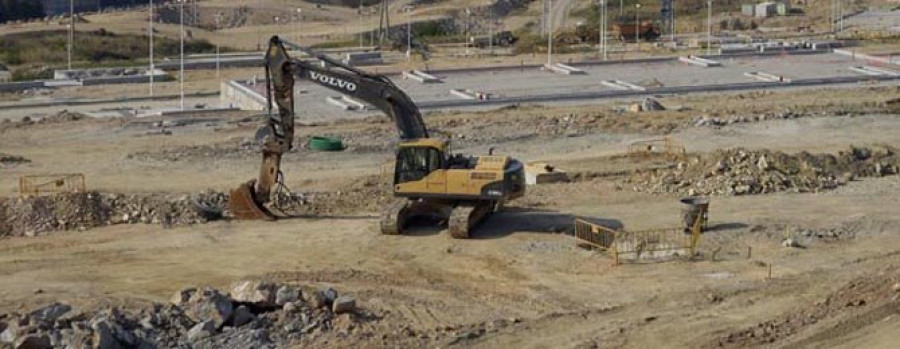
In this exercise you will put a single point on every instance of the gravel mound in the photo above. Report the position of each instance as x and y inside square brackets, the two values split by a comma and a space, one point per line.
[36, 215]
[743, 172]
[255, 314]
[63, 116]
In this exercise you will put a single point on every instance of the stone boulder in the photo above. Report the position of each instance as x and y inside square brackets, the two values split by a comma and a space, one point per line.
[209, 305]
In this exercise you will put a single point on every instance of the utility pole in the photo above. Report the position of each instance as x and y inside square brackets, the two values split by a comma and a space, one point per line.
[300, 21]
[217, 19]
[637, 26]
[543, 25]
[841, 16]
[491, 29]
[408, 38]
[71, 32]
[674, 45]
[833, 15]
[259, 29]
[152, 67]
[601, 13]
[466, 38]
[361, 30]
[708, 27]
[621, 7]
[181, 73]
[549, 32]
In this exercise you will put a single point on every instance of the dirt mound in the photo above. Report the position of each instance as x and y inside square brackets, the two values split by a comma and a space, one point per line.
[869, 298]
[31, 216]
[254, 315]
[37, 215]
[742, 172]
[63, 116]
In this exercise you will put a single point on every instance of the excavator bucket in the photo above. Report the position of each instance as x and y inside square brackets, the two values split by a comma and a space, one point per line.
[243, 205]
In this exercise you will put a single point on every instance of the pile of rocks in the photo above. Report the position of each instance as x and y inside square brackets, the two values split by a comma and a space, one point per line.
[37, 215]
[8, 159]
[30, 216]
[63, 116]
[705, 121]
[255, 314]
[741, 172]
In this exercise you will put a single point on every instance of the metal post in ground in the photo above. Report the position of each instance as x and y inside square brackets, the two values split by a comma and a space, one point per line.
[550, 33]
[181, 73]
[709, 27]
[71, 33]
[217, 19]
[637, 26]
[150, 33]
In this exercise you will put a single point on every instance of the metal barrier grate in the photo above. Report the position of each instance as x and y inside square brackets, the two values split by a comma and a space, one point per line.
[635, 245]
[51, 183]
[665, 146]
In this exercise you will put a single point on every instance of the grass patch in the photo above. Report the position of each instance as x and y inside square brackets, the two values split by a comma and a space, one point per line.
[32, 54]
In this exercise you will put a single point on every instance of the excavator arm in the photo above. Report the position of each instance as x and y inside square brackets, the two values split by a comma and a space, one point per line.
[249, 200]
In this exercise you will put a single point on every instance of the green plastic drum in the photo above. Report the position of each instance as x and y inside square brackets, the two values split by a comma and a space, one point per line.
[319, 143]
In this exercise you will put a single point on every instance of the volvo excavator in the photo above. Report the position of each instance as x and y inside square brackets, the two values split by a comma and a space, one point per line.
[428, 180]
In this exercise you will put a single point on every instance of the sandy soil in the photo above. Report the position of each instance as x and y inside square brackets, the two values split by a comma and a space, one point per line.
[518, 265]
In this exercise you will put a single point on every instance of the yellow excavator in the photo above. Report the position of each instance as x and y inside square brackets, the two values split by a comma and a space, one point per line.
[428, 180]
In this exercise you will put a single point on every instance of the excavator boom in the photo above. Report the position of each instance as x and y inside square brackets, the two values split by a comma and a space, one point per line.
[249, 200]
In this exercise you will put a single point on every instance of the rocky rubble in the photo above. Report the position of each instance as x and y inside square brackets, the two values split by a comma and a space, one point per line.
[252, 316]
[38, 215]
[715, 121]
[30, 216]
[63, 116]
[742, 172]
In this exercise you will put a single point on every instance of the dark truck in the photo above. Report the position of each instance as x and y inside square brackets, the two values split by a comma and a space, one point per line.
[501, 39]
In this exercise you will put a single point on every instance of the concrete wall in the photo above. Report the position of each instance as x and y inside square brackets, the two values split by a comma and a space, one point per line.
[235, 94]
[20, 86]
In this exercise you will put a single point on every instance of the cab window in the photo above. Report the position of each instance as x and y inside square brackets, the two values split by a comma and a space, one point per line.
[413, 164]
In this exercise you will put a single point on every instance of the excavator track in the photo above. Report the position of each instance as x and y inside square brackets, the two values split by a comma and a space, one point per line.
[394, 217]
[465, 216]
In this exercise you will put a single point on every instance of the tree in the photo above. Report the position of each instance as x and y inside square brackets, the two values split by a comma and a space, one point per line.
[11, 10]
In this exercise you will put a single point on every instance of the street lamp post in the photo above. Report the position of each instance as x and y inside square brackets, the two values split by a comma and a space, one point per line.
[549, 32]
[152, 68]
[840, 16]
[637, 26]
[259, 29]
[361, 30]
[181, 72]
[674, 46]
[71, 33]
[300, 19]
[602, 28]
[217, 19]
[466, 38]
[491, 30]
[409, 38]
[708, 27]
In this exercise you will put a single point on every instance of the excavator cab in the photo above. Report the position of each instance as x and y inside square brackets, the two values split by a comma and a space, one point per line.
[416, 160]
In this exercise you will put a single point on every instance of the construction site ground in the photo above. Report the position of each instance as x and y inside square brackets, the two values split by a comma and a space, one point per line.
[520, 281]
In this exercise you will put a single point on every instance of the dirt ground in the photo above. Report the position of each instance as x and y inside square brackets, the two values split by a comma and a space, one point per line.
[520, 281]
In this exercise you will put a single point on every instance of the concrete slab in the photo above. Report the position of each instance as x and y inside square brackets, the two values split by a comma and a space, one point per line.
[699, 61]
[421, 76]
[761, 76]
